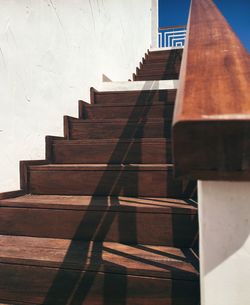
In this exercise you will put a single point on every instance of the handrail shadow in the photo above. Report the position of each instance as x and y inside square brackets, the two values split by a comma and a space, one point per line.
[91, 258]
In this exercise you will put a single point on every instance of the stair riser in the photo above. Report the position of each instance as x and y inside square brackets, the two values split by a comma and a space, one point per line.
[166, 52]
[128, 112]
[112, 153]
[135, 97]
[81, 130]
[124, 227]
[166, 56]
[155, 183]
[157, 77]
[162, 64]
[162, 58]
[159, 67]
[162, 71]
[31, 284]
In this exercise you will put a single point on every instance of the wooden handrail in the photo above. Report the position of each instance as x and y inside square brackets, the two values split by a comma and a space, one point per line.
[172, 27]
[211, 126]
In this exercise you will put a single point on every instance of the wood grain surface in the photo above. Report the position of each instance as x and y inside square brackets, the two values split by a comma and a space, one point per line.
[211, 126]
[154, 221]
[96, 151]
[56, 271]
[104, 221]
[103, 180]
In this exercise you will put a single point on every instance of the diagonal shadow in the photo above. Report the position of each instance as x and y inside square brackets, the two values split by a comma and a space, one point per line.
[172, 67]
[76, 288]
[101, 223]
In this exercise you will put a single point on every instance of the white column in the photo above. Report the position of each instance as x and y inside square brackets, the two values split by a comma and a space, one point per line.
[224, 216]
[154, 24]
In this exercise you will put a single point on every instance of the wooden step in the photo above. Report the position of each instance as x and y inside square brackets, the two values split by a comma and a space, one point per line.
[160, 72]
[52, 271]
[119, 128]
[134, 97]
[136, 86]
[165, 52]
[156, 76]
[159, 66]
[111, 111]
[165, 55]
[154, 221]
[159, 62]
[112, 151]
[162, 61]
[103, 180]
[151, 70]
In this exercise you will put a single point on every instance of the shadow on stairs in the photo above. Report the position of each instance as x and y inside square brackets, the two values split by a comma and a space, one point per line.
[104, 221]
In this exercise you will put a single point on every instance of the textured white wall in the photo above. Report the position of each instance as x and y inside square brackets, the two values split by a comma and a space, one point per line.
[224, 215]
[154, 24]
[51, 52]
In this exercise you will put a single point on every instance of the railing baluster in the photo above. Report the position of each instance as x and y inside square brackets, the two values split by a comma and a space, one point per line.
[160, 40]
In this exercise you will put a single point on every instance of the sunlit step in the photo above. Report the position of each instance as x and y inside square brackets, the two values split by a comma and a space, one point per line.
[139, 85]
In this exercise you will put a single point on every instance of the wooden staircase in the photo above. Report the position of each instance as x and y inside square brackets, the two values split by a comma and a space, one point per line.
[103, 221]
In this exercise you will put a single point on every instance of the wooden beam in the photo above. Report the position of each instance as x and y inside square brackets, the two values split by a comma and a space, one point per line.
[211, 126]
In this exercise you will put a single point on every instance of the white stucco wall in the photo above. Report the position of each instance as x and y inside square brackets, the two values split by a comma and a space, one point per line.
[51, 53]
[154, 24]
[224, 216]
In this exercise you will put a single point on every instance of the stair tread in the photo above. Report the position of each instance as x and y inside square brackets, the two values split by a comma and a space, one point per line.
[114, 140]
[169, 75]
[137, 97]
[159, 51]
[156, 72]
[149, 90]
[139, 260]
[155, 104]
[120, 203]
[142, 86]
[121, 120]
[106, 167]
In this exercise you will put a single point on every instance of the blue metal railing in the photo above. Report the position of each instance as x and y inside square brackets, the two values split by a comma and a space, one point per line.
[172, 36]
